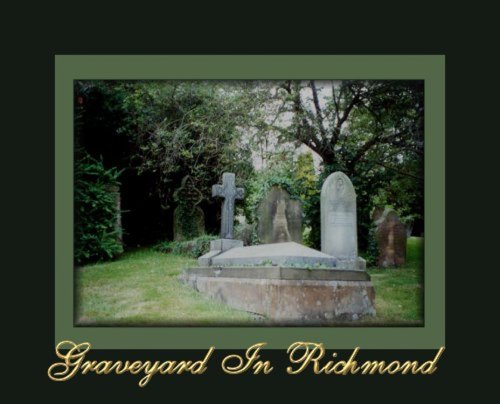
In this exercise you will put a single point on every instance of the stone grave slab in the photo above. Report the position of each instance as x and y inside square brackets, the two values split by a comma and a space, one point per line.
[283, 254]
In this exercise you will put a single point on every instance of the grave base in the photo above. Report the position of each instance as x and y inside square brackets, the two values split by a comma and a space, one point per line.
[293, 296]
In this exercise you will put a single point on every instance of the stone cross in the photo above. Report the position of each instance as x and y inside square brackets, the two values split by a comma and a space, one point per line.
[229, 192]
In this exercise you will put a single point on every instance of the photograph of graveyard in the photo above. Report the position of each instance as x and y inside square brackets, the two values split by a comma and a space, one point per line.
[249, 203]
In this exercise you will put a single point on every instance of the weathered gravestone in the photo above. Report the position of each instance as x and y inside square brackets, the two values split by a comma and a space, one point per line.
[189, 219]
[279, 217]
[391, 238]
[339, 235]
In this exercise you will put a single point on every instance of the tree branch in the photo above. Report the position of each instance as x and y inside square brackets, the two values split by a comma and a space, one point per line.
[319, 117]
[335, 102]
[398, 171]
[300, 112]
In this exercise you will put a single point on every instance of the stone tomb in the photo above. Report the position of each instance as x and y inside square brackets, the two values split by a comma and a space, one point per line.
[287, 283]
[294, 296]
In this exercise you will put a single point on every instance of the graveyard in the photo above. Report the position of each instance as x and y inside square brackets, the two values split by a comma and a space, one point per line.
[206, 204]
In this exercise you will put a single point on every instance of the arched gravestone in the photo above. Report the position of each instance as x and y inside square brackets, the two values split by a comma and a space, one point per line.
[339, 235]
[391, 238]
[279, 218]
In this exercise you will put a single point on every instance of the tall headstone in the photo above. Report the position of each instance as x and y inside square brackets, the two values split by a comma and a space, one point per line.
[339, 235]
[391, 239]
[279, 217]
[230, 193]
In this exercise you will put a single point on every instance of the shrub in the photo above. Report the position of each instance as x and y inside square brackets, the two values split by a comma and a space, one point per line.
[97, 236]
[192, 248]
[246, 232]
[372, 251]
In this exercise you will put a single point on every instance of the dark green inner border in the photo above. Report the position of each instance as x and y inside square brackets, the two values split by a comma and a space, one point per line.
[429, 68]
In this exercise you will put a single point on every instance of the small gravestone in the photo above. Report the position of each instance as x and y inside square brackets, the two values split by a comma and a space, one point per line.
[338, 219]
[279, 217]
[189, 219]
[391, 238]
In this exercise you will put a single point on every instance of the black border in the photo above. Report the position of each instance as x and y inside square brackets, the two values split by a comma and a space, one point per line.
[29, 186]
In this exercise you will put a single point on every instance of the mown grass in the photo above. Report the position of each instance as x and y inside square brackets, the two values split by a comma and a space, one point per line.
[141, 288]
[400, 291]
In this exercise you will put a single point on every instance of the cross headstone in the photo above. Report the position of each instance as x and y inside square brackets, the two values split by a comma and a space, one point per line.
[229, 192]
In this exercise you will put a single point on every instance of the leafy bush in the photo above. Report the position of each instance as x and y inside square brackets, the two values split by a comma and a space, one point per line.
[372, 251]
[193, 248]
[97, 236]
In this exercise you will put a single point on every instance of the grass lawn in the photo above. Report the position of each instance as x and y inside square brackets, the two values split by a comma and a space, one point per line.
[141, 288]
[399, 292]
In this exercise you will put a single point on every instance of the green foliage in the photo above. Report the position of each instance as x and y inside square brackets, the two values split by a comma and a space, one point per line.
[192, 248]
[307, 181]
[305, 176]
[295, 175]
[174, 129]
[370, 130]
[96, 234]
[188, 128]
[246, 232]
[372, 250]
[187, 198]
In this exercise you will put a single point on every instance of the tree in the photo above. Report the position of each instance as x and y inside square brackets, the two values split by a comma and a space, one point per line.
[370, 130]
[188, 129]
[305, 176]
[166, 131]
